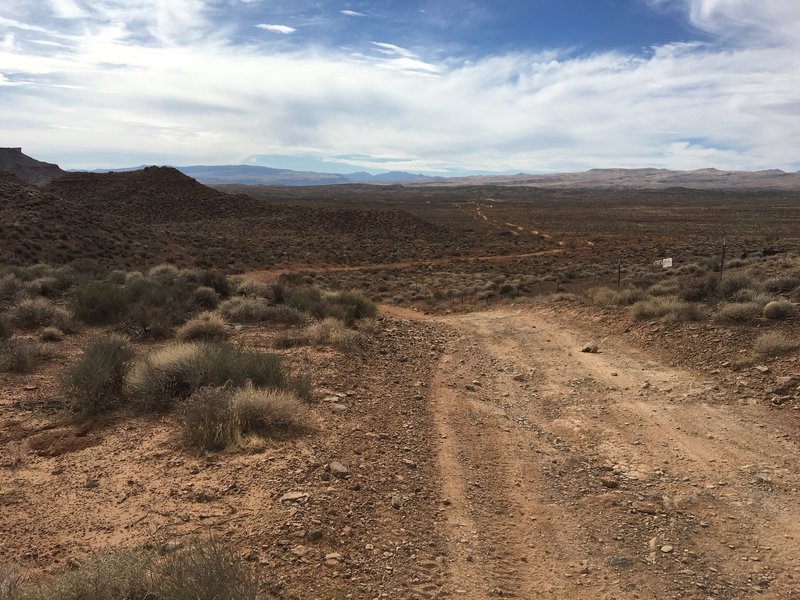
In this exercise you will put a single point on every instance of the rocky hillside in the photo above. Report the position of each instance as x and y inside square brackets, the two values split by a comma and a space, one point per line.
[26, 168]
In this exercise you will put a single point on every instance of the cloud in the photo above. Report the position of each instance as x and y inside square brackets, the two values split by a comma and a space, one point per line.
[772, 20]
[136, 78]
[352, 13]
[284, 29]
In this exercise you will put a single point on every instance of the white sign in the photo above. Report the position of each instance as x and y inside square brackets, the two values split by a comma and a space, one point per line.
[664, 263]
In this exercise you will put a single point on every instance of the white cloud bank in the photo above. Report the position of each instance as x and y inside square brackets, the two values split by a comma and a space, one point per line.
[189, 94]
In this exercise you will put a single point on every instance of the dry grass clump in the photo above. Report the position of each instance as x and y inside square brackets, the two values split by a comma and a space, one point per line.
[20, 356]
[6, 327]
[779, 309]
[95, 383]
[781, 285]
[205, 297]
[241, 309]
[668, 308]
[178, 369]
[604, 296]
[331, 332]
[264, 410]
[740, 311]
[217, 418]
[773, 344]
[209, 420]
[40, 312]
[201, 571]
[207, 326]
[51, 334]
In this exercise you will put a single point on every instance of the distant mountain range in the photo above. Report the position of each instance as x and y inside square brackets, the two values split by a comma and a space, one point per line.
[39, 173]
[255, 175]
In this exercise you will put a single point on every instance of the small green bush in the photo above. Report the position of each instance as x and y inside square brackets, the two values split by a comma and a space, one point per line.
[779, 309]
[95, 382]
[207, 326]
[773, 344]
[164, 273]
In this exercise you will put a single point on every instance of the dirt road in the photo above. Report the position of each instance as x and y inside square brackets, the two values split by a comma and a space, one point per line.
[607, 475]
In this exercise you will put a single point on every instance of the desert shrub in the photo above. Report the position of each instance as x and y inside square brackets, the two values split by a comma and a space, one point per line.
[150, 322]
[10, 582]
[206, 570]
[773, 343]
[779, 309]
[132, 277]
[700, 288]
[781, 285]
[100, 303]
[205, 297]
[662, 289]
[95, 382]
[178, 369]
[285, 315]
[349, 306]
[6, 327]
[216, 280]
[668, 307]
[245, 310]
[165, 273]
[206, 326]
[43, 286]
[203, 570]
[40, 312]
[51, 334]
[253, 289]
[305, 299]
[731, 283]
[209, 420]
[117, 277]
[331, 332]
[217, 418]
[604, 296]
[172, 371]
[10, 287]
[740, 311]
[20, 356]
[264, 410]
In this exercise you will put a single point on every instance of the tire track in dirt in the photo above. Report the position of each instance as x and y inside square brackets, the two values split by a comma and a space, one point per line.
[609, 475]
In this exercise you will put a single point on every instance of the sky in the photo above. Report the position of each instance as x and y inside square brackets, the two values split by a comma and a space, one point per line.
[443, 87]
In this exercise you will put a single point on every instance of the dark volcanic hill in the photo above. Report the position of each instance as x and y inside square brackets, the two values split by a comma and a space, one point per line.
[26, 168]
[136, 219]
[150, 194]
